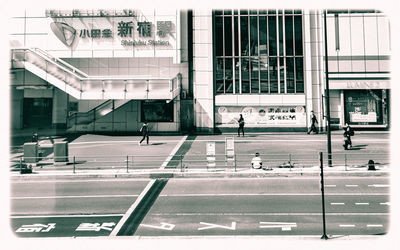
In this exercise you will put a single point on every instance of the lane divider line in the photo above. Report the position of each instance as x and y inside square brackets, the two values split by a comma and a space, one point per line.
[337, 203]
[379, 185]
[131, 209]
[351, 185]
[173, 152]
[362, 203]
[377, 225]
[347, 225]
[330, 185]
[64, 216]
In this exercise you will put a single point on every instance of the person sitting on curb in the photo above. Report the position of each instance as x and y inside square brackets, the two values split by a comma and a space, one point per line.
[256, 162]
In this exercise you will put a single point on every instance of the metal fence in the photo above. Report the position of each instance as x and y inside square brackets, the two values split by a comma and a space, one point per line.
[220, 162]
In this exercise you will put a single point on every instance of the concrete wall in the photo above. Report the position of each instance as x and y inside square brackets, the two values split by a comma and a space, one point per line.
[203, 84]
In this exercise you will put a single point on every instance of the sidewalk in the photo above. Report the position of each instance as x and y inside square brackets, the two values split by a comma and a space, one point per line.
[339, 171]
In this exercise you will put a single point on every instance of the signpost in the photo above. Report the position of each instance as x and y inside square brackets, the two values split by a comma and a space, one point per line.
[210, 149]
[230, 151]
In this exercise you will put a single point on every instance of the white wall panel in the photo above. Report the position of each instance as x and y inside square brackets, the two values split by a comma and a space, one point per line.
[371, 33]
[357, 35]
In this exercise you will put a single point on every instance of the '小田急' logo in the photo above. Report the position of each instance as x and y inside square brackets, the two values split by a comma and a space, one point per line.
[64, 32]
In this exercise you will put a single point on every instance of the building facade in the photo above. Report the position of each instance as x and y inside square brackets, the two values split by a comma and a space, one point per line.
[111, 70]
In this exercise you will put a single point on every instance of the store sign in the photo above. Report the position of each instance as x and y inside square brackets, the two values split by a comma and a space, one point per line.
[125, 30]
[259, 116]
[359, 84]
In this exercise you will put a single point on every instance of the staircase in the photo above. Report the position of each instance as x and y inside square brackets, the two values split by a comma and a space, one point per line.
[83, 87]
[80, 119]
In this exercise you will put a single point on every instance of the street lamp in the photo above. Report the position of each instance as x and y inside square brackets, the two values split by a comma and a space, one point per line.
[328, 116]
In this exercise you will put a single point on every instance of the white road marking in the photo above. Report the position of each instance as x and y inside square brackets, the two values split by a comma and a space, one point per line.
[130, 210]
[269, 214]
[347, 225]
[373, 225]
[362, 203]
[164, 226]
[75, 196]
[286, 226]
[351, 185]
[63, 216]
[385, 203]
[337, 203]
[210, 225]
[173, 152]
[330, 185]
[379, 185]
[272, 194]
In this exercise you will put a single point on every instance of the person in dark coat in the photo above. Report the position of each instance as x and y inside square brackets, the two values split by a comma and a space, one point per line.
[241, 125]
[348, 133]
[145, 132]
[313, 122]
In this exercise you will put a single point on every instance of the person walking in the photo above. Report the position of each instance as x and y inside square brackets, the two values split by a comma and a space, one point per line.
[313, 122]
[241, 125]
[145, 132]
[348, 133]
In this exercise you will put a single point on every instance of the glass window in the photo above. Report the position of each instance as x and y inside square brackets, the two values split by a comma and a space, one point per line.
[289, 35]
[298, 34]
[237, 75]
[280, 35]
[236, 35]
[220, 76]
[228, 35]
[218, 12]
[263, 35]
[244, 35]
[290, 74]
[244, 12]
[157, 111]
[253, 36]
[263, 12]
[228, 12]
[253, 12]
[254, 69]
[273, 74]
[272, 12]
[218, 36]
[282, 74]
[245, 76]
[264, 74]
[299, 75]
[272, 35]
[228, 76]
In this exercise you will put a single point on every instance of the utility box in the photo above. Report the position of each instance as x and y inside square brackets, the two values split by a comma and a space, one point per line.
[60, 152]
[31, 152]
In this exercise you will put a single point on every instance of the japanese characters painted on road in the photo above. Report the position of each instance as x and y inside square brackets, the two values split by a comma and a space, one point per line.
[36, 228]
[95, 226]
[286, 226]
[163, 226]
[211, 225]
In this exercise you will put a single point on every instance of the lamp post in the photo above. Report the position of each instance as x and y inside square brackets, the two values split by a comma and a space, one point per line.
[328, 116]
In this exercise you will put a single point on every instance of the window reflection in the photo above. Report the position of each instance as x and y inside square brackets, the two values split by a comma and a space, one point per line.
[259, 52]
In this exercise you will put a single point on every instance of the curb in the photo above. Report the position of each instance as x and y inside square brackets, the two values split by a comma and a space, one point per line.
[169, 175]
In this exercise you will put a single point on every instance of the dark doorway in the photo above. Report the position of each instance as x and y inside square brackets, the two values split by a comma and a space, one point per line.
[37, 112]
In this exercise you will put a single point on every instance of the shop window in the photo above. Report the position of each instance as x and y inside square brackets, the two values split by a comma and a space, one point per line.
[289, 35]
[228, 35]
[298, 34]
[290, 75]
[273, 74]
[244, 35]
[245, 76]
[272, 35]
[157, 111]
[299, 75]
[363, 107]
[254, 71]
[220, 76]
[228, 76]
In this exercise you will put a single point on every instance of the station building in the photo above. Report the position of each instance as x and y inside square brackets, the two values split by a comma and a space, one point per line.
[198, 70]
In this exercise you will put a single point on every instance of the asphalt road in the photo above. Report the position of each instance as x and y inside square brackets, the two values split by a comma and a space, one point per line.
[265, 206]
[291, 206]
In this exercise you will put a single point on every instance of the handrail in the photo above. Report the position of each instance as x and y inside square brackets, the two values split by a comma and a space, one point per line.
[89, 78]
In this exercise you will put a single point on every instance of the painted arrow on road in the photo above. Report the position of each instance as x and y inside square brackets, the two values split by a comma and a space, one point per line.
[164, 226]
[210, 225]
[286, 226]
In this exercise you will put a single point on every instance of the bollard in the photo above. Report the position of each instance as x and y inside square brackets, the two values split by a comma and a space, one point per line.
[181, 164]
[371, 165]
[127, 164]
[74, 166]
[345, 162]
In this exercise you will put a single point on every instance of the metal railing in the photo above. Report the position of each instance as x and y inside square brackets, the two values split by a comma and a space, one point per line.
[198, 162]
[82, 86]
